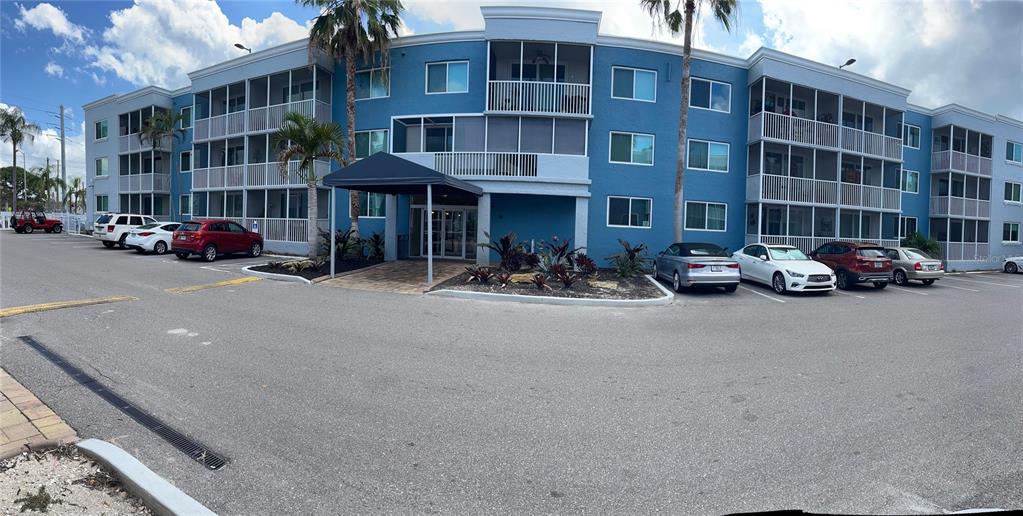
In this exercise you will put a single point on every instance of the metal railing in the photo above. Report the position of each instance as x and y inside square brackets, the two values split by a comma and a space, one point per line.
[283, 230]
[809, 243]
[960, 206]
[144, 183]
[253, 175]
[132, 143]
[965, 250]
[266, 118]
[960, 162]
[499, 164]
[548, 98]
[777, 126]
[875, 144]
[770, 187]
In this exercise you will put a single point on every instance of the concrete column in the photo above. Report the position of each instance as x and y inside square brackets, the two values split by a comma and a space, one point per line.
[391, 228]
[582, 210]
[483, 229]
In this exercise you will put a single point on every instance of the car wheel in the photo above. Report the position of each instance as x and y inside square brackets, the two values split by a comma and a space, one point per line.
[778, 283]
[108, 245]
[900, 278]
[27, 229]
[209, 253]
[676, 282]
[927, 281]
[256, 249]
[120, 243]
[841, 280]
[160, 247]
[1011, 268]
[880, 284]
[181, 256]
[58, 228]
[731, 288]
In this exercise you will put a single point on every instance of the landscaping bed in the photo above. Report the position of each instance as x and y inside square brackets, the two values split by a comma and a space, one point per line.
[605, 286]
[311, 270]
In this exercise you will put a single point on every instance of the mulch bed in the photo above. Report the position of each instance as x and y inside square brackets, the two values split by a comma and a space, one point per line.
[311, 274]
[605, 286]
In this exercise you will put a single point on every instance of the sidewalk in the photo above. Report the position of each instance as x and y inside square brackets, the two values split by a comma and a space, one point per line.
[24, 420]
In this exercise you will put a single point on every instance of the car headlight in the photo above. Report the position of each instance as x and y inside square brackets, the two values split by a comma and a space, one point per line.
[795, 274]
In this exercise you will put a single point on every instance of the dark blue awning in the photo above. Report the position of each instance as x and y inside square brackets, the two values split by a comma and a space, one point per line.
[388, 174]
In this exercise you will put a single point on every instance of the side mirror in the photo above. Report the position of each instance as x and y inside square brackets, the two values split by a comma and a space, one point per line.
[763, 257]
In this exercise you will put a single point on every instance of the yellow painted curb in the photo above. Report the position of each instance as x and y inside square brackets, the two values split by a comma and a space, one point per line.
[226, 283]
[42, 307]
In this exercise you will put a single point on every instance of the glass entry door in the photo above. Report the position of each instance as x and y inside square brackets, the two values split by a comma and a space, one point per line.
[454, 232]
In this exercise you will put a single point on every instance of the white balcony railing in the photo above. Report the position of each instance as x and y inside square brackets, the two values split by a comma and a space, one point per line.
[138, 183]
[253, 175]
[768, 187]
[960, 162]
[787, 128]
[808, 243]
[502, 164]
[283, 230]
[955, 251]
[547, 98]
[874, 144]
[959, 206]
[132, 143]
[270, 118]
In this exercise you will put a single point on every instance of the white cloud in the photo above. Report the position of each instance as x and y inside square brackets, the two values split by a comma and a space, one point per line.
[45, 16]
[160, 41]
[46, 144]
[54, 69]
[98, 79]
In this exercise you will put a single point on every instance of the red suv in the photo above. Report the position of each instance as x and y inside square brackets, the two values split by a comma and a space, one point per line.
[29, 221]
[211, 237]
[855, 263]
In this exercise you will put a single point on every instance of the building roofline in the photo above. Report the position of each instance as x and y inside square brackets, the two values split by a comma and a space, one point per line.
[254, 57]
[100, 101]
[437, 37]
[667, 48]
[542, 13]
[770, 53]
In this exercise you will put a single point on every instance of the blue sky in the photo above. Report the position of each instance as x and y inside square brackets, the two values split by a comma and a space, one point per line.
[73, 52]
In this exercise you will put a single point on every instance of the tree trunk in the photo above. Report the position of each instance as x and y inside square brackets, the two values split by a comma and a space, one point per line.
[683, 116]
[14, 177]
[313, 230]
[353, 196]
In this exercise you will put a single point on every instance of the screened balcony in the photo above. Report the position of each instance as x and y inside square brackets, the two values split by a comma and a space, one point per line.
[130, 125]
[809, 227]
[539, 78]
[961, 239]
[958, 149]
[960, 195]
[144, 172]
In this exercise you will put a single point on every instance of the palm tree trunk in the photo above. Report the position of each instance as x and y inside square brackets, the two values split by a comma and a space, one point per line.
[313, 233]
[353, 196]
[14, 176]
[683, 115]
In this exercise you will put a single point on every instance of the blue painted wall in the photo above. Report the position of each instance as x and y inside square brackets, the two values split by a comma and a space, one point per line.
[918, 205]
[521, 214]
[181, 183]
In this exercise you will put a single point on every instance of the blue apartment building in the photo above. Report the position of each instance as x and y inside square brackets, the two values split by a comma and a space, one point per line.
[574, 134]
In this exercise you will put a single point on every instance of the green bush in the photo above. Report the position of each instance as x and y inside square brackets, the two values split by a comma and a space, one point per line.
[927, 245]
[631, 261]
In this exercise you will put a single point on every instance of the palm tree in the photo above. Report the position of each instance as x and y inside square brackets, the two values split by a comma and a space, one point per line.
[355, 30]
[305, 140]
[667, 13]
[162, 124]
[75, 194]
[14, 129]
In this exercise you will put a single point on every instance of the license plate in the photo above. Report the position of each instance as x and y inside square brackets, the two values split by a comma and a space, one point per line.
[182, 237]
[877, 265]
[932, 267]
[715, 268]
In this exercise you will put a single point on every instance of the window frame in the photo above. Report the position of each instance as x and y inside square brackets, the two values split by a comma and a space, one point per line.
[1019, 193]
[902, 225]
[106, 209]
[366, 207]
[106, 130]
[710, 91]
[706, 220]
[902, 181]
[633, 70]
[189, 117]
[632, 139]
[1015, 144]
[426, 77]
[181, 159]
[106, 173]
[906, 130]
[607, 211]
[371, 71]
[182, 204]
[728, 160]
[1009, 225]
[387, 141]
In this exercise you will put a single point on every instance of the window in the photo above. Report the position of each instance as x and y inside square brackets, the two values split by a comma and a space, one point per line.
[102, 167]
[628, 212]
[706, 216]
[371, 205]
[101, 130]
[450, 77]
[712, 95]
[372, 84]
[1014, 152]
[1012, 192]
[908, 226]
[710, 156]
[910, 181]
[633, 84]
[368, 143]
[186, 117]
[1010, 232]
[102, 203]
[185, 203]
[911, 136]
[632, 148]
[185, 163]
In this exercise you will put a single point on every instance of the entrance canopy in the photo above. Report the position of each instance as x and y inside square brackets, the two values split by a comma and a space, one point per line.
[388, 174]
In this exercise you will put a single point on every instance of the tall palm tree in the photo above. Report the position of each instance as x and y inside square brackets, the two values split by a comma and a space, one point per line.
[48, 186]
[355, 30]
[305, 140]
[14, 129]
[74, 196]
[678, 16]
[161, 125]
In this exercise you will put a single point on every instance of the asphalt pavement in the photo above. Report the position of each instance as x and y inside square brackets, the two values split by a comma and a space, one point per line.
[329, 401]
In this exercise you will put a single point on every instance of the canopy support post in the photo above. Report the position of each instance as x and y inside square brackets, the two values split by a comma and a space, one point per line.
[429, 236]
[331, 229]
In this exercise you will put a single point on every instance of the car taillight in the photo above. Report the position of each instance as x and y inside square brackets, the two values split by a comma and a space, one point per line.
[918, 267]
[941, 267]
[110, 228]
[146, 233]
[696, 265]
[732, 265]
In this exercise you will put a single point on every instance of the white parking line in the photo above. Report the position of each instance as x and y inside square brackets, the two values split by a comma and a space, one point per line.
[960, 288]
[911, 291]
[848, 294]
[985, 282]
[772, 298]
[212, 268]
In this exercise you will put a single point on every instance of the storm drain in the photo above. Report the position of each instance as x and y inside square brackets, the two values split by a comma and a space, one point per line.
[193, 449]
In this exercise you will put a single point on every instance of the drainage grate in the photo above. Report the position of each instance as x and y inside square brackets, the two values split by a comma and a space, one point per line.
[196, 451]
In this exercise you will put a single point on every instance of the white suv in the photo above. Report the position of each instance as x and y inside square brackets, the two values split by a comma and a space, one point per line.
[112, 228]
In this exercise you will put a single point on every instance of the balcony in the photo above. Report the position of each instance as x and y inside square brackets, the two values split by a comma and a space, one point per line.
[258, 175]
[505, 165]
[873, 144]
[131, 143]
[791, 129]
[955, 161]
[960, 207]
[538, 98]
[770, 188]
[964, 250]
[807, 243]
[267, 118]
[144, 183]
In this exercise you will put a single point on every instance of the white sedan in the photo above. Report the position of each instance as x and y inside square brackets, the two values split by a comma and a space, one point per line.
[1013, 264]
[784, 268]
[152, 237]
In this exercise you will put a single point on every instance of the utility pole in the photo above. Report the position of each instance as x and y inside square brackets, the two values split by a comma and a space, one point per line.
[47, 186]
[63, 163]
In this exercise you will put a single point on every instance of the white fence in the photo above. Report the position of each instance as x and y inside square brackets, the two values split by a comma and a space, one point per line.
[549, 98]
[74, 223]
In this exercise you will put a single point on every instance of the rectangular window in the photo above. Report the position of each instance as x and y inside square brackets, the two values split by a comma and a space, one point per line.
[708, 94]
[448, 77]
[368, 143]
[1012, 192]
[706, 216]
[372, 84]
[185, 164]
[101, 130]
[910, 181]
[102, 167]
[908, 225]
[633, 84]
[1010, 232]
[710, 156]
[1014, 152]
[102, 203]
[632, 148]
[186, 117]
[185, 203]
[371, 205]
[911, 136]
[628, 212]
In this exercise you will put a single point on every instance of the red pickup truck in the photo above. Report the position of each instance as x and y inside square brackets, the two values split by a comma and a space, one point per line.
[30, 221]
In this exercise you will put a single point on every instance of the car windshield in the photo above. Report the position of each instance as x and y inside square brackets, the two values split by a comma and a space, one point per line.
[103, 219]
[787, 253]
[170, 227]
[916, 254]
[189, 226]
[702, 250]
[148, 226]
[870, 252]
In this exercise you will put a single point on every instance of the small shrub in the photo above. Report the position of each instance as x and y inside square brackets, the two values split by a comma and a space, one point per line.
[275, 265]
[541, 282]
[554, 253]
[374, 246]
[585, 264]
[303, 265]
[564, 275]
[927, 245]
[482, 275]
[345, 243]
[631, 261]
[511, 253]
[532, 260]
[503, 279]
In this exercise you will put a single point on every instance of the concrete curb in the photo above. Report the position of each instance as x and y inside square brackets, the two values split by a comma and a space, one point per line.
[278, 277]
[158, 494]
[39, 446]
[348, 273]
[666, 299]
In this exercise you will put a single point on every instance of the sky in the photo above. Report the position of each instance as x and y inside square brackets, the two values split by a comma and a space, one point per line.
[968, 52]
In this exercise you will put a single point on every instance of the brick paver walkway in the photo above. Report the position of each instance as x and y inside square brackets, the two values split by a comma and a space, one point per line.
[26, 420]
[402, 276]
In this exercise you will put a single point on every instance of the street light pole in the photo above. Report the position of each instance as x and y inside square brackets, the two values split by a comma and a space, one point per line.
[63, 160]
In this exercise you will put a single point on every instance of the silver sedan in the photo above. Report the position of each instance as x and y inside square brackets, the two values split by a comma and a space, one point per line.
[694, 264]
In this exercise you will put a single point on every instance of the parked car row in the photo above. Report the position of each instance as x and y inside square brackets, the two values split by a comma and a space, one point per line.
[787, 269]
[207, 238]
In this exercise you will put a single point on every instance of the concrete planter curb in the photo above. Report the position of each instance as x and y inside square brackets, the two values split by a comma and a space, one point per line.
[666, 299]
[158, 494]
[278, 277]
[39, 446]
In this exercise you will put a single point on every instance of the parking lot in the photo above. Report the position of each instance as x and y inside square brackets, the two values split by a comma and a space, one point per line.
[330, 400]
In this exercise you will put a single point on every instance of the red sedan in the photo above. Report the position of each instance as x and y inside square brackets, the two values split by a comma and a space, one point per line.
[209, 238]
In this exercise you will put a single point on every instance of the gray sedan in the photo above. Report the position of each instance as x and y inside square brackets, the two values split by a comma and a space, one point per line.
[909, 263]
[693, 264]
